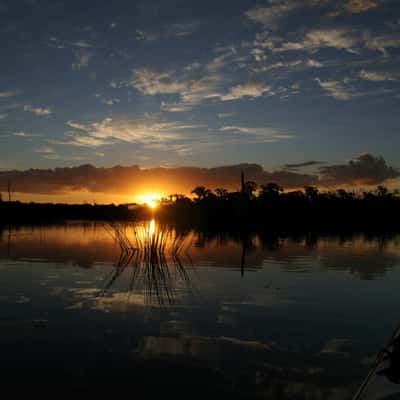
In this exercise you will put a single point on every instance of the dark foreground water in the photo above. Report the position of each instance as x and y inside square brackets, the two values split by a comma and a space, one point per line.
[248, 317]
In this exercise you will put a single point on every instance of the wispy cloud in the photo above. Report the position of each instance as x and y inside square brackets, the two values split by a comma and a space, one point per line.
[377, 76]
[359, 6]
[25, 134]
[109, 131]
[40, 111]
[152, 82]
[225, 115]
[336, 89]
[271, 15]
[9, 94]
[381, 42]
[191, 90]
[77, 125]
[179, 30]
[263, 134]
[248, 90]
[60, 43]
[176, 107]
[335, 38]
[340, 39]
[194, 89]
[303, 165]
[44, 150]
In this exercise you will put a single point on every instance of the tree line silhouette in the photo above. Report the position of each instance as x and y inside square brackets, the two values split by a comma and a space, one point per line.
[261, 207]
[269, 206]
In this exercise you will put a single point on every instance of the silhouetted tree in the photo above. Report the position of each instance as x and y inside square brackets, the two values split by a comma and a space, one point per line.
[270, 191]
[382, 191]
[201, 192]
[221, 193]
[250, 188]
[344, 195]
[311, 192]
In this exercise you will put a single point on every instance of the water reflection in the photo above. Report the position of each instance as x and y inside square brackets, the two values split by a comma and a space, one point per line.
[88, 245]
[271, 316]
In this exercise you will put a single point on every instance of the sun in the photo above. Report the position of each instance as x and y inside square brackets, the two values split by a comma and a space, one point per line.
[150, 199]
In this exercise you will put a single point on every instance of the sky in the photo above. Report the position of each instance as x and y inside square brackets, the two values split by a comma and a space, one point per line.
[289, 85]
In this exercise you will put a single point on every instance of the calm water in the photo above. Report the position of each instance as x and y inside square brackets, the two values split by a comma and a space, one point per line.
[274, 318]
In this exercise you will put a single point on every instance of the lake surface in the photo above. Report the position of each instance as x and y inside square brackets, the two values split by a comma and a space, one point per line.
[250, 316]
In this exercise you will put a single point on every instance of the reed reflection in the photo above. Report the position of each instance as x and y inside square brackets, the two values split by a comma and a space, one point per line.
[153, 253]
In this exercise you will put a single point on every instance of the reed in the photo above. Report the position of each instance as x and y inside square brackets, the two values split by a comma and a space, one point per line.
[153, 253]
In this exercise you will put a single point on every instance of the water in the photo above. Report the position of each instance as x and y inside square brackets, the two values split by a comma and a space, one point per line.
[252, 317]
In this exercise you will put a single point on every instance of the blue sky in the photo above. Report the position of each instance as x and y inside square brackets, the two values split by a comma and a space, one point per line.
[205, 83]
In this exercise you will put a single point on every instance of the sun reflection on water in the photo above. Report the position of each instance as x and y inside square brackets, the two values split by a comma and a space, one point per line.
[152, 227]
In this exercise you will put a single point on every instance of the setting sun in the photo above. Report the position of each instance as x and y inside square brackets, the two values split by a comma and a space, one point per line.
[150, 199]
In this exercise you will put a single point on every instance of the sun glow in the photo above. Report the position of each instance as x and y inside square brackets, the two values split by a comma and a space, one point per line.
[150, 199]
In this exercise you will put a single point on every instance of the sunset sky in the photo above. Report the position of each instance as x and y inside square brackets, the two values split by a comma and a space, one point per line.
[291, 85]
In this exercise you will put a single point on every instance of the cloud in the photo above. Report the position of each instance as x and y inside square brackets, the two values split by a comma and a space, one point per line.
[77, 125]
[168, 32]
[175, 107]
[151, 82]
[25, 134]
[271, 16]
[313, 40]
[194, 89]
[109, 131]
[252, 90]
[61, 44]
[359, 6]
[8, 94]
[82, 44]
[314, 63]
[110, 102]
[375, 76]
[44, 150]
[12, 106]
[336, 38]
[40, 111]
[122, 180]
[225, 115]
[337, 89]
[304, 164]
[191, 90]
[365, 169]
[382, 42]
[265, 133]
[84, 141]
[294, 65]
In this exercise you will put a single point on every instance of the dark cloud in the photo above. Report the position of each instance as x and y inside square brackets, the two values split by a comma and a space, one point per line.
[365, 169]
[304, 164]
[122, 180]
